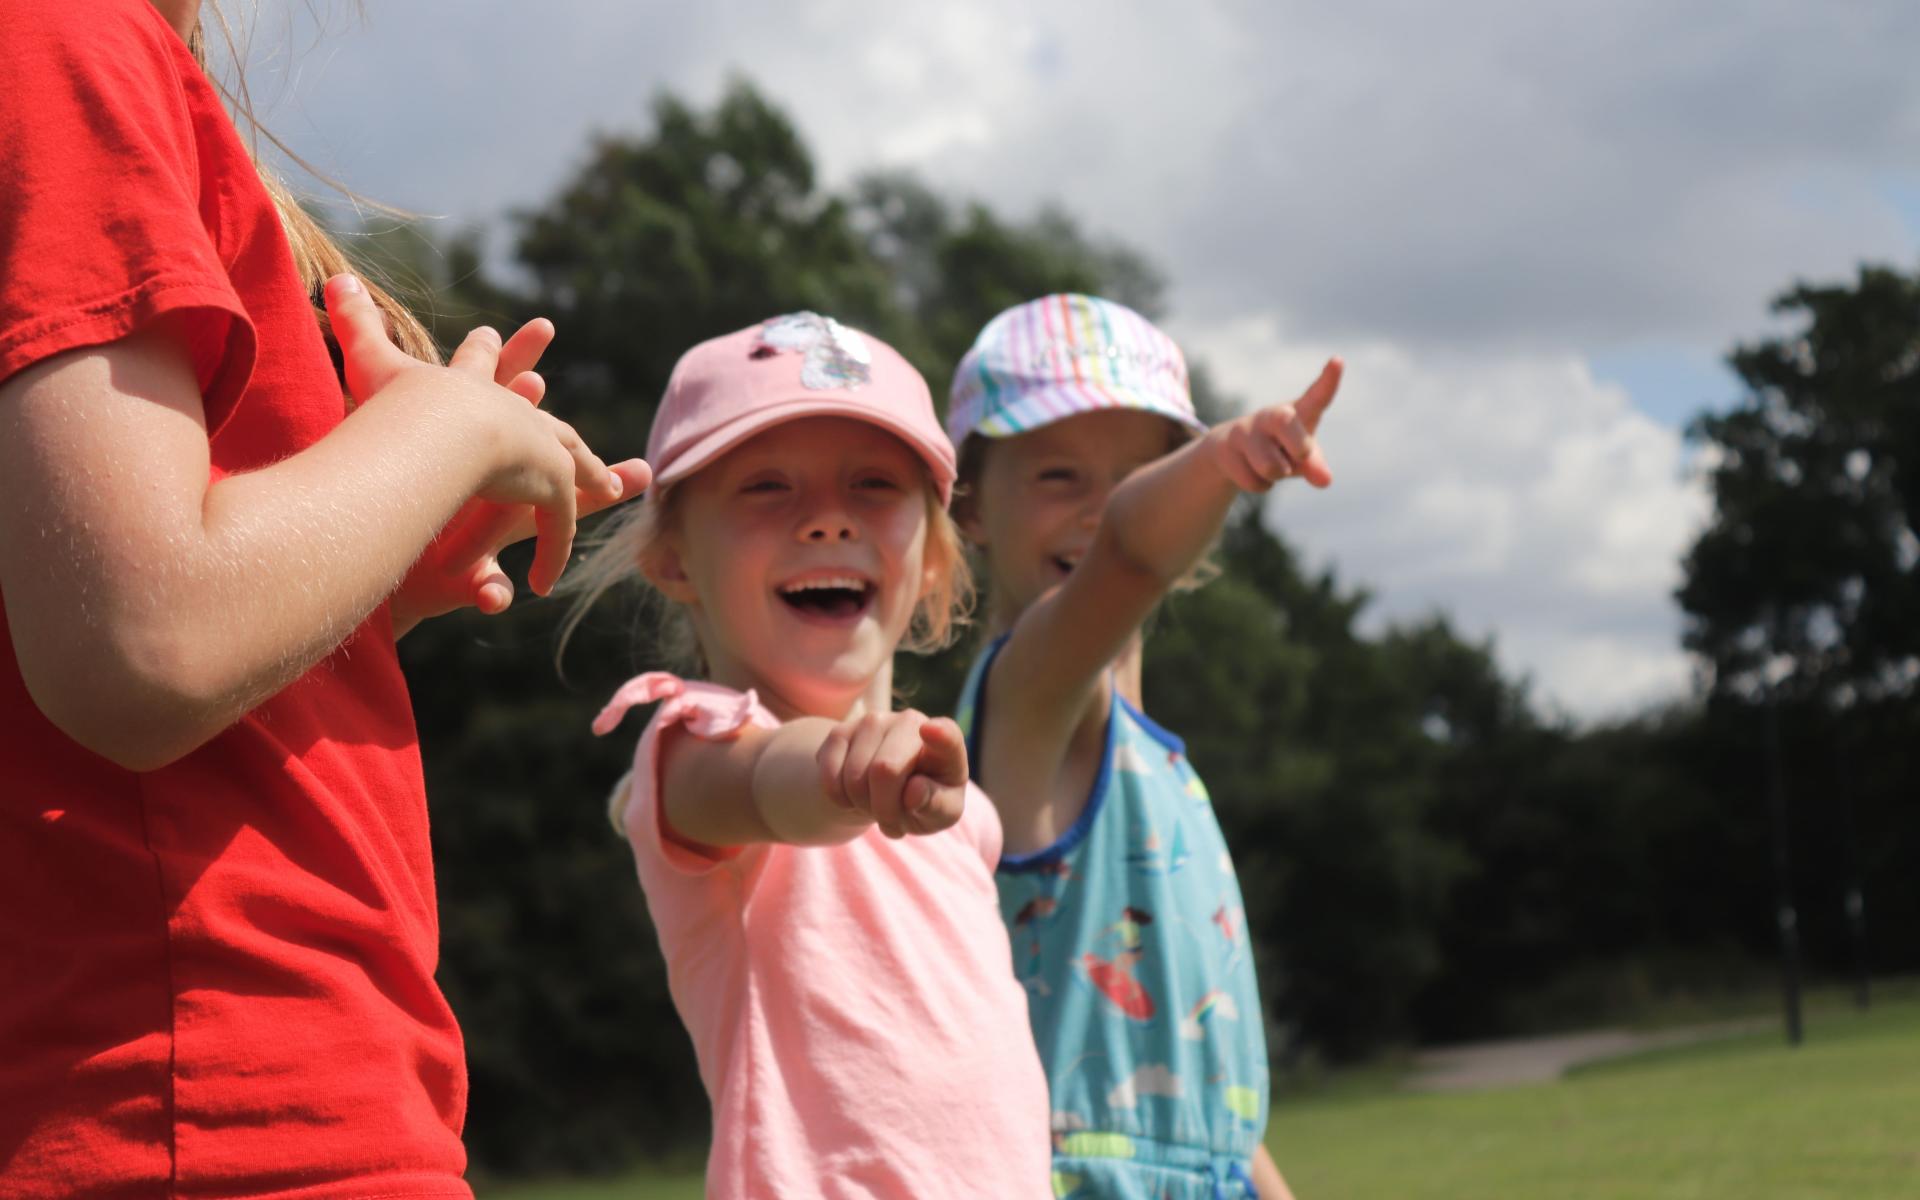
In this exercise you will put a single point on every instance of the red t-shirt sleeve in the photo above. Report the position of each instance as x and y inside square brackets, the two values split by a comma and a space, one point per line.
[106, 220]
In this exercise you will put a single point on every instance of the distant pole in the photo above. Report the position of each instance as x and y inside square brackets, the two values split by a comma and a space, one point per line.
[1788, 919]
[1856, 900]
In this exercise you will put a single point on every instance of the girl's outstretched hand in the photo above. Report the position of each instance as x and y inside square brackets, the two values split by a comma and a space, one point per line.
[547, 477]
[905, 770]
[1262, 448]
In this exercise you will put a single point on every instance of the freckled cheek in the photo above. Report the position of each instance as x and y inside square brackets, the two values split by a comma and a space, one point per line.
[896, 534]
[733, 558]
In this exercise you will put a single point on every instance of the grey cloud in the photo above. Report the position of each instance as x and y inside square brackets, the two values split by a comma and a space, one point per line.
[1485, 172]
[1504, 174]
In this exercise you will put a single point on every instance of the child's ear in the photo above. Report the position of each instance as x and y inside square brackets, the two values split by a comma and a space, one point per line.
[966, 516]
[667, 572]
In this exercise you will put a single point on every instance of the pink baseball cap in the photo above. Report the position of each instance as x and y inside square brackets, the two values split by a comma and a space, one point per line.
[725, 390]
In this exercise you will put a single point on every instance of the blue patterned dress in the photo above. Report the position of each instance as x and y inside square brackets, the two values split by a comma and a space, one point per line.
[1129, 936]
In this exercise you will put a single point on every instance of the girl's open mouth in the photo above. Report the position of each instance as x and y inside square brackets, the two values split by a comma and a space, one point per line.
[832, 598]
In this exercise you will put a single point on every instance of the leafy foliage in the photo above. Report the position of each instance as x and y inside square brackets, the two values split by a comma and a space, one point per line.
[1811, 560]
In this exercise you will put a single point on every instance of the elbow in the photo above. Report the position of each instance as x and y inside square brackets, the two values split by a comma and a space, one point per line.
[1158, 573]
[141, 703]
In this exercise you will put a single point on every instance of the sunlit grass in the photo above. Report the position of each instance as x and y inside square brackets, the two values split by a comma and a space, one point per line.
[1747, 1117]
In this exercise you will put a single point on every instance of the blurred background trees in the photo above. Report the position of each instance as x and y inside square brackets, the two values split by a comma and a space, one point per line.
[1425, 855]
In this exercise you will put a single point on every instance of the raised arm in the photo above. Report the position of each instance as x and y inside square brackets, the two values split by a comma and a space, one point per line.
[150, 609]
[1156, 525]
[815, 782]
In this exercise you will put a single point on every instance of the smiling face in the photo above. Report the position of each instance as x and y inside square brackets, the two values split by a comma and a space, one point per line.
[801, 554]
[1038, 497]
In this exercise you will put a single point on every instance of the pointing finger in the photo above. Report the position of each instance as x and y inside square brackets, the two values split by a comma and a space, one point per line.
[1318, 397]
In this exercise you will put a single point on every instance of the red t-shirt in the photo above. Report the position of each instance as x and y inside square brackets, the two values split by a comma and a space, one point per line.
[215, 978]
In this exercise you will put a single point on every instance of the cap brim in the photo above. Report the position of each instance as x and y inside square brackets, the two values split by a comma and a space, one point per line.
[938, 456]
[1037, 408]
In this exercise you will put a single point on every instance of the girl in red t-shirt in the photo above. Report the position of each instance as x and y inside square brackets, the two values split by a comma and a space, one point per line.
[217, 923]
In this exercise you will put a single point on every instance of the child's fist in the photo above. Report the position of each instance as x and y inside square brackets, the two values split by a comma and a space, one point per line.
[1264, 447]
[907, 772]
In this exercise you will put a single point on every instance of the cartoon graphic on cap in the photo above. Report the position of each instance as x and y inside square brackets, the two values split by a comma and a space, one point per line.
[837, 357]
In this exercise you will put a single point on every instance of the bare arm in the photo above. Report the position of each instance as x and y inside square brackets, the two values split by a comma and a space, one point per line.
[150, 610]
[815, 782]
[1156, 525]
[1267, 1181]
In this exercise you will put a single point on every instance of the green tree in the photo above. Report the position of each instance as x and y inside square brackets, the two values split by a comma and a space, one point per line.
[1802, 591]
[1810, 559]
[1323, 776]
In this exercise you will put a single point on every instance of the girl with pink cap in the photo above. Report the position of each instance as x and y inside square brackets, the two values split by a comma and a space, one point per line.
[818, 867]
[1093, 490]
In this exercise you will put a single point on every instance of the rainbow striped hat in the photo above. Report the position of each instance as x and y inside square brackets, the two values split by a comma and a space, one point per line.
[1060, 356]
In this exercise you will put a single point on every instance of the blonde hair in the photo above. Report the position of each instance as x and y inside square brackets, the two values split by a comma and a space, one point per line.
[317, 257]
[639, 532]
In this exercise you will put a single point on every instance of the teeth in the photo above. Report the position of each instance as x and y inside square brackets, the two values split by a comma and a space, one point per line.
[830, 583]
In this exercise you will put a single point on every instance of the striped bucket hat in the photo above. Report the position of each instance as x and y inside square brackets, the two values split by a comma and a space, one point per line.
[1060, 356]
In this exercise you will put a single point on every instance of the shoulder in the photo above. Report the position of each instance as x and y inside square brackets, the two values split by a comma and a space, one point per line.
[88, 83]
[707, 710]
[53, 35]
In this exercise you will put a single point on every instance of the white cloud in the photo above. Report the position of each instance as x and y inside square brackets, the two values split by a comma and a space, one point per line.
[1128, 758]
[1154, 1079]
[1487, 173]
[1518, 494]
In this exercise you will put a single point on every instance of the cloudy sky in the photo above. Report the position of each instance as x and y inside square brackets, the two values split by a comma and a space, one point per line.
[1532, 229]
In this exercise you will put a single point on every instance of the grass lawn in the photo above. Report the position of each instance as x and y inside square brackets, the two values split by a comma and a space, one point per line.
[1745, 1118]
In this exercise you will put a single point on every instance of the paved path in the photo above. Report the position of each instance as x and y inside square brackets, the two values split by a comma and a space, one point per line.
[1474, 1065]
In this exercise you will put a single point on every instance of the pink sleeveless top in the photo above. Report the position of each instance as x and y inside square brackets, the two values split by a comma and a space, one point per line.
[853, 1008]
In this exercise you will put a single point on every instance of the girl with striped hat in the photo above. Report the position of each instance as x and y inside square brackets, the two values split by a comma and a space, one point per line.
[1092, 490]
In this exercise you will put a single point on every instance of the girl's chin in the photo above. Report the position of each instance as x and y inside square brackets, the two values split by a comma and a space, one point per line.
[841, 655]
[824, 689]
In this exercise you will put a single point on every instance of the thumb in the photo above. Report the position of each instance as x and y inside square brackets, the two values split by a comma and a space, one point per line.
[490, 589]
[371, 359]
[943, 753]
